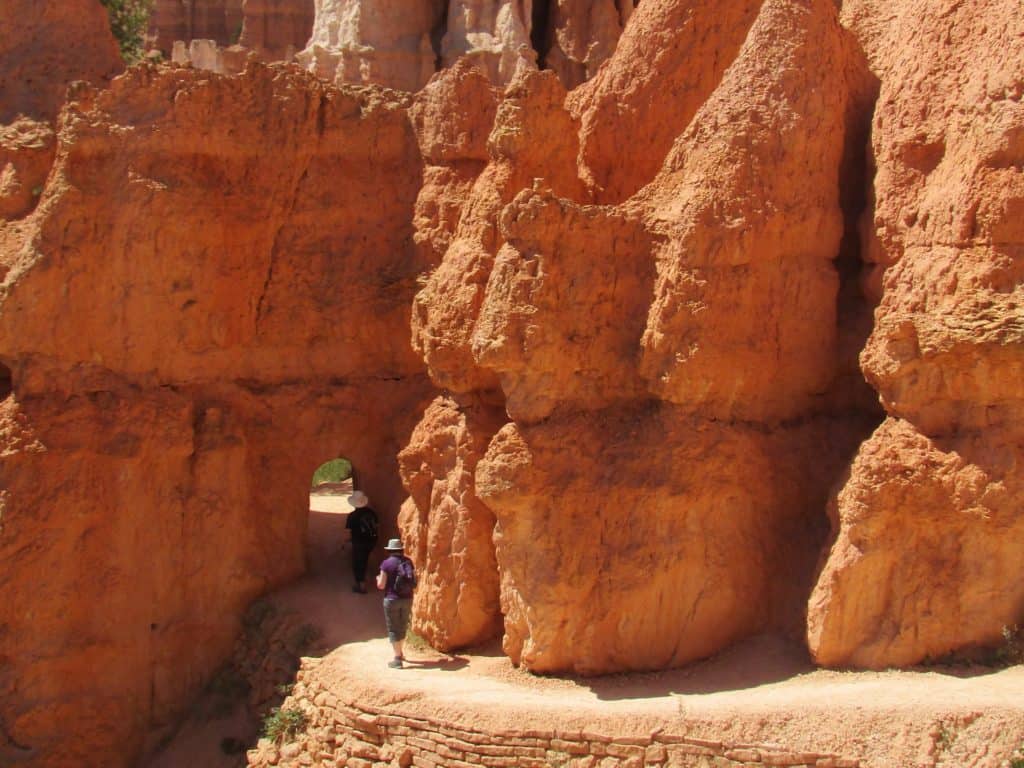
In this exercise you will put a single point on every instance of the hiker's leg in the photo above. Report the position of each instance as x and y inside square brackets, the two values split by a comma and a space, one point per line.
[360, 559]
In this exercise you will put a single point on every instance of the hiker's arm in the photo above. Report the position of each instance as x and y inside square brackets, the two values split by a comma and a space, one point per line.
[382, 580]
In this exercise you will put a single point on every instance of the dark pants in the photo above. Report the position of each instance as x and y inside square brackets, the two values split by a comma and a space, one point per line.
[396, 616]
[360, 559]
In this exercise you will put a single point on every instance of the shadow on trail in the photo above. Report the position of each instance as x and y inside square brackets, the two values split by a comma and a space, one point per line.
[449, 664]
[757, 661]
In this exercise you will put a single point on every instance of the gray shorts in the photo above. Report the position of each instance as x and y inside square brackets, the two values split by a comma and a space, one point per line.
[396, 616]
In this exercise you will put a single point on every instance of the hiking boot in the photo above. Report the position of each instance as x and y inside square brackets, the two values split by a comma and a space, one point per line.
[395, 663]
[359, 589]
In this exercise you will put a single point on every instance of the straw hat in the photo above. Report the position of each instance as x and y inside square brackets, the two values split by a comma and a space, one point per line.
[394, 545]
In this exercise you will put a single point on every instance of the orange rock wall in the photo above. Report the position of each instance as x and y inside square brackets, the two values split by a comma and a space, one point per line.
[929, 523]
[47, 44]
[193, 328]
[640, 300]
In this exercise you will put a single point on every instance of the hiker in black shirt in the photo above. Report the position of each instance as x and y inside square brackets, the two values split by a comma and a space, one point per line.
[362, 527]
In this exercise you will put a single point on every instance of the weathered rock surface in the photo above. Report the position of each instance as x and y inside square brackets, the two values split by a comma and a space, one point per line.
[193, 328]
[947, 351]
[494, 34]
[929, 540]
[276, 29]
[532, 136]
[47, 44]
[447, 529]
[617, 558]
[26, 154]
[592, 314]
[582, 36]
[628, 290]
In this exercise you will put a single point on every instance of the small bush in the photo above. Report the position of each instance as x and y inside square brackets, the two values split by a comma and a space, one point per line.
[1017, 758]
[129, 20]
[283, 725]
[333, 471]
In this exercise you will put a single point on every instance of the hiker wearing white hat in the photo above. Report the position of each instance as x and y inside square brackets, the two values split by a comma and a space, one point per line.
[362, 528]
[397, 578]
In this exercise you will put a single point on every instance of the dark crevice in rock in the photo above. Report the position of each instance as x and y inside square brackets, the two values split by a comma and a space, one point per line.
[437, 33]
[6, 382]
[540, 30]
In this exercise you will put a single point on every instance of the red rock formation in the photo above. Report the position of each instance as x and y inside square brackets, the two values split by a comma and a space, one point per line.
[46, 44]
[272, 29]
[193, 328]
[666, 66]
[447, 528]
[26, 154]
[947, 351]
[532, 136]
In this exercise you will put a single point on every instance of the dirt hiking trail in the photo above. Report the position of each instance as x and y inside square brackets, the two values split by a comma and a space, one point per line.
[763, 691]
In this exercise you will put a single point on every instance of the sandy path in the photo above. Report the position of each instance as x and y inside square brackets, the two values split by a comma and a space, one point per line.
[763, 691]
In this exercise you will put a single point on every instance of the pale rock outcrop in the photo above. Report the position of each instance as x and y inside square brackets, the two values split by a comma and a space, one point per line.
[447, 529]
[947, 351]
[192, 327]
[382, 42]
[47, 44]
[494, 34]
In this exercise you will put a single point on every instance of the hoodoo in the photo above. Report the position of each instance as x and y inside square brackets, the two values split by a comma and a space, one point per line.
[655, 329]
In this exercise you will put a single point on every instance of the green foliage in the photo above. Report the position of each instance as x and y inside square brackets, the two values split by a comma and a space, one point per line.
[333, 471]
[1017, 758]
[283, 725]
[129, 20]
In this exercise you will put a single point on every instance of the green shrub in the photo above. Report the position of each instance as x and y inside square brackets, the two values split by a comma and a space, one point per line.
[333, 471]
[283, 725]
[129, 20]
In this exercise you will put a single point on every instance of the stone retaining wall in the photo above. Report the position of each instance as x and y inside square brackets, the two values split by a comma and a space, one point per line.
[342, 733]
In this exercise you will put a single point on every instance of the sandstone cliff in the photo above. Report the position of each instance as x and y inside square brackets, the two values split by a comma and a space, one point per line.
[191, 330]
[631, 404]
[928, 526]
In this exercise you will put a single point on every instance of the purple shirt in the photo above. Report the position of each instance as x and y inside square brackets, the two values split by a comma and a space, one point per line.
[390, 567]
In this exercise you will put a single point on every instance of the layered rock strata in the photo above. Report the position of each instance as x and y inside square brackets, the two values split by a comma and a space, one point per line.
[192, 329]
[927, 524]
